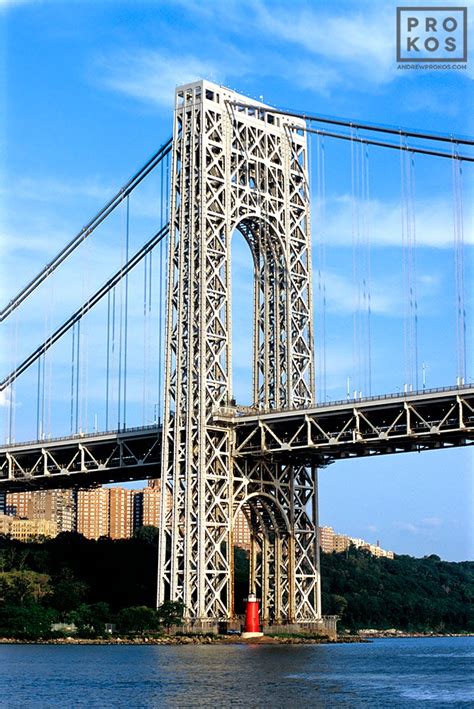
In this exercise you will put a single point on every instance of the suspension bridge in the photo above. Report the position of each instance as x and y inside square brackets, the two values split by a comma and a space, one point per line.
[138, 382]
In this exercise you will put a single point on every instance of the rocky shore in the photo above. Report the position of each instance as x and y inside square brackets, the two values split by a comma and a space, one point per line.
[191, 640]
[394, 633]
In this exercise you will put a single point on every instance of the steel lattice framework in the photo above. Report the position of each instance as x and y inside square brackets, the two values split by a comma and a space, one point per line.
[236, 167]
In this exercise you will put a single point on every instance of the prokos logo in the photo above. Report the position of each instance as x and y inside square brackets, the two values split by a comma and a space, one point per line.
[432, 34]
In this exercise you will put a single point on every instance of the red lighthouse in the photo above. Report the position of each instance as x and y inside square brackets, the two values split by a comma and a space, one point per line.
[252, 623]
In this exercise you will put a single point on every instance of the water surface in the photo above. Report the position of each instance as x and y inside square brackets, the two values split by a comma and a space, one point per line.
[426, 672]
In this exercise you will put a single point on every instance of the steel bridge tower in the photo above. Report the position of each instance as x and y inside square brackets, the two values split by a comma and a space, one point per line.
[236, 166]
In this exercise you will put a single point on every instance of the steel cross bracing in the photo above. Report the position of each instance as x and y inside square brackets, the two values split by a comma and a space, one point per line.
[236, 169]
[82, 460]
[402, 423]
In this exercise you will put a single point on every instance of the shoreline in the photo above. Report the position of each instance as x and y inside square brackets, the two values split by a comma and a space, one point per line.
[189, 640]
[390, 634]
[232, 640]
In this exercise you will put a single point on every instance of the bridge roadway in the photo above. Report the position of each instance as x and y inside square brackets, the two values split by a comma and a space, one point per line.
[418, 421]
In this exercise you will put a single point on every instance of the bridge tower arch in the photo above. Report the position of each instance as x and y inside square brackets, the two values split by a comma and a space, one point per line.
[236, 166]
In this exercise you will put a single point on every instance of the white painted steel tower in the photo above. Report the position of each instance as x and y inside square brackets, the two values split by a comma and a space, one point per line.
[236, 166]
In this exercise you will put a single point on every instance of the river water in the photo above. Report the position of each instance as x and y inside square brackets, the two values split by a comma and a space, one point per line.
[426, 672]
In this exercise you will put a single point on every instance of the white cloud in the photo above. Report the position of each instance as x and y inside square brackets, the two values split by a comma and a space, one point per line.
[434, 223]
[408, 527]
[4, 399]
[151, 76]
[49, 189]
[431, 522]
[5, 4]
[341, 295]
[423, 526]
[360, 42]
[335, 43]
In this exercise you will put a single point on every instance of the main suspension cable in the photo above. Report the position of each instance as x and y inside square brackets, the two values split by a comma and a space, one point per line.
[87, 230]
[385, 144]
[356, 125]
[76, 317]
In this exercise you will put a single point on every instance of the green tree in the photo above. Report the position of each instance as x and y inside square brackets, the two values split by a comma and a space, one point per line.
[147, 533]
[20, 587]
[171, 613]
[138, 619]
[90, 619]
[68, 593]
[29, 621]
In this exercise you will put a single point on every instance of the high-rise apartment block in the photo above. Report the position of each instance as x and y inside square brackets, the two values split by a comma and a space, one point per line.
[152, 504]
[56, 506]
[120, 513]
[93, 512]
[330, 541]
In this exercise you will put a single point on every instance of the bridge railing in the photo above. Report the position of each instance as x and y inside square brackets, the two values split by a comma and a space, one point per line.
[231, 411]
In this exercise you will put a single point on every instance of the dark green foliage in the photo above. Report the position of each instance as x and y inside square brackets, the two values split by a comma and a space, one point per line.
[29, 621]
[120, 572]
[147, 533]
[90, 620]
[171, 613]
[405, 593]
[68, 593]
[138, 619]
[90, 583]
[20, 587]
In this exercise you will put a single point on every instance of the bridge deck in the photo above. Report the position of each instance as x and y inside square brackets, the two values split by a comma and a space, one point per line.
[82, 460]
[417, 421]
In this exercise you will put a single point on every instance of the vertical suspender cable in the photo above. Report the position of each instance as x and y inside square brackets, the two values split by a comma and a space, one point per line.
[119, 401]
[10, 414]
[409, 261]
[321, 186]
[145, 327]
[150, 322]
[458, 223]
[73, 350]
[163, 289]
[462, 273]
[323, 264]
[356, 269]
[368, 272]
[13, 388]
[113, 356]
[50, 358]
[354, 370]
[409, 284]
[127, 235]
[43, 369]
[405, 269]
[414, 284]
[160, 304]
[84, 381]
[107, 369]
[78, 362]
[38, 398]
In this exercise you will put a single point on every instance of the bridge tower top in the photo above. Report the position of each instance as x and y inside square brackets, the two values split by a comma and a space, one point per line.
[222, 96]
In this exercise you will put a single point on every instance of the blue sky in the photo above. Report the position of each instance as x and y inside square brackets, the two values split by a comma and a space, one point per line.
[88, 92]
